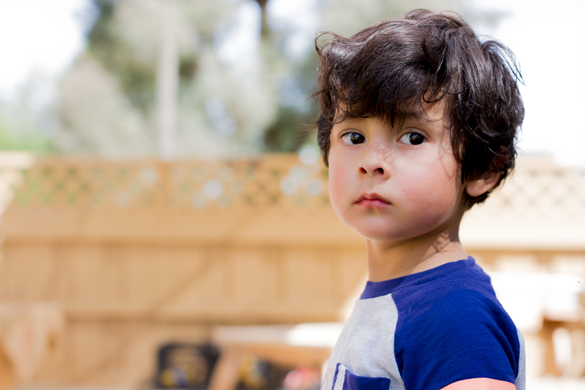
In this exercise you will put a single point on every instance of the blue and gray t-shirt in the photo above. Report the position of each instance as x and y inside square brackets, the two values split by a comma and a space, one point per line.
[425, 331]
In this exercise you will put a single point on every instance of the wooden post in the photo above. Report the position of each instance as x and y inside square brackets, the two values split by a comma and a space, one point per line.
[167, 81]
[227, 370]
[546, 337]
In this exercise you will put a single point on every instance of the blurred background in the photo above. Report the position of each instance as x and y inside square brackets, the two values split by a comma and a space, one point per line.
[164, 212]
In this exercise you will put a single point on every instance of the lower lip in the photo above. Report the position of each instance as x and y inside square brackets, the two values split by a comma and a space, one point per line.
[376, 203]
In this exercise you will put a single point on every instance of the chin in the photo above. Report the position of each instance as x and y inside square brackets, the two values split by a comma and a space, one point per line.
[380, 238]
[375, 234]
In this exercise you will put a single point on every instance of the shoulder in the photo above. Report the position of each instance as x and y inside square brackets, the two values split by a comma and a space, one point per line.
[455, 299]
[454, 330]
[455, 316]
[457, 319]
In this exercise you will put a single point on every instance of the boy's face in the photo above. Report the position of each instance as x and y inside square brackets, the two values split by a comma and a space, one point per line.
[395, 184]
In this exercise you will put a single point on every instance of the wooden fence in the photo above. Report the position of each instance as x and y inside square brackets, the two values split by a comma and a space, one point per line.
[139, 253]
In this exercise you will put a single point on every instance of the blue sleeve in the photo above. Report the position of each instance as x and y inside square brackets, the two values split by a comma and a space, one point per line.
[460, 335]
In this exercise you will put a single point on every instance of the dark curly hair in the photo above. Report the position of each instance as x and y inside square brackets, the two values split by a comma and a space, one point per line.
[392, 69]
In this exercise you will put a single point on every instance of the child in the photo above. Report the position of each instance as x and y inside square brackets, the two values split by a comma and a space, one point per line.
[418, 122]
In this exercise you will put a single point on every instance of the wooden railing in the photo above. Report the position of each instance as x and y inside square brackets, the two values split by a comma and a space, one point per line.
[270, 181]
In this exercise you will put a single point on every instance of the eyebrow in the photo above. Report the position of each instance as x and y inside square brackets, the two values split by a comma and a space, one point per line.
[349, 120]
[410, 118]
[398, 116]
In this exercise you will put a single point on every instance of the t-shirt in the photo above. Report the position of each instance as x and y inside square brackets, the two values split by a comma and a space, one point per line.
[425, 331]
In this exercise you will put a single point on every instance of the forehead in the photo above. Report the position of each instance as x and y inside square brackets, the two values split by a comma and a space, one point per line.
[420, 115]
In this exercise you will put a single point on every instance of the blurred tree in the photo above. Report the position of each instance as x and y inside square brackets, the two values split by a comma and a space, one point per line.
[246, 71]
[222, 106]
[27, 119]
[14, 137]
[97, 118]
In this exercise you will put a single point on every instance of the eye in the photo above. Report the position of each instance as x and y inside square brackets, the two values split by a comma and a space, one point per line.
[353, 138]
[412, 138]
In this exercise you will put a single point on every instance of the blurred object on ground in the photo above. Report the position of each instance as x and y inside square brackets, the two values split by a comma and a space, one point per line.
[307, 345]
[182, 365]
[190, 366]
[29, 336]
[143, 253]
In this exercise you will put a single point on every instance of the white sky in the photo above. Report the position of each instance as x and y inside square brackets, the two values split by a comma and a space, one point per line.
[44, 36]
[37, 36]
[549, 43]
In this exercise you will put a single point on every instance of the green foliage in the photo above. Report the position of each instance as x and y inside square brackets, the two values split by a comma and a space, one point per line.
[295, 122]
[13, 139]
[137, 77]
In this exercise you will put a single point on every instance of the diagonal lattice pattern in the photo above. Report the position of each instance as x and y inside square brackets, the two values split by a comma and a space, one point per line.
[268, 181]
[537, 191]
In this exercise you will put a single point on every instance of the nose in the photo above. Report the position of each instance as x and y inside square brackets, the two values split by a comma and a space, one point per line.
[375, 163]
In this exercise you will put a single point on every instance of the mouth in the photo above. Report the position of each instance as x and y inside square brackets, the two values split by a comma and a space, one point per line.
[372, 200]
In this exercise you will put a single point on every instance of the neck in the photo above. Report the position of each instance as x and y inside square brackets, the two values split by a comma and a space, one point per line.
[391, 260]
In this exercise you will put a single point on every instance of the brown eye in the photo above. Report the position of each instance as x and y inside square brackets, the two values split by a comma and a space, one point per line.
[412, 139]
[353, 138]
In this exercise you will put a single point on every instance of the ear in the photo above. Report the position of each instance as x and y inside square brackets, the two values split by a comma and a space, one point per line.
[480, 186]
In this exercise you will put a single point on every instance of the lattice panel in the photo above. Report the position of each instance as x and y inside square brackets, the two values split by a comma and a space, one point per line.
[281, 181]
[539, 191]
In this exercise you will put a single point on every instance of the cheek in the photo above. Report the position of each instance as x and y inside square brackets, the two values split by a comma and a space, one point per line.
[433, 189]
[337, 183]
